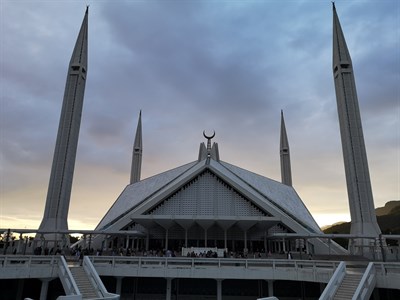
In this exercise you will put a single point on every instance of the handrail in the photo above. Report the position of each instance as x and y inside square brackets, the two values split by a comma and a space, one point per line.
[27, 265]
[27, 260]
[333, 284]
[95, 279]
[67, 280]
[367, 283]
[387, 268]
[181, 262]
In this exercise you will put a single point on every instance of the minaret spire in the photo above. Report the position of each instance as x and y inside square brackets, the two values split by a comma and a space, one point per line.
[62, 171]
[362, 211]
[286, 171]
[137, 153]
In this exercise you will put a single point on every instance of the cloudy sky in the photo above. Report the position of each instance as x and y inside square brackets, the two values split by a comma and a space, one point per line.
[228, 66]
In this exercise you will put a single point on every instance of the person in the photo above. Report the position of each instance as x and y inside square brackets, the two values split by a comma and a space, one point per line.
[81, 258]
[289, 255]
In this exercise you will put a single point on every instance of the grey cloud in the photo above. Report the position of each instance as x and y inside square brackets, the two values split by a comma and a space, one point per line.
[190, 66]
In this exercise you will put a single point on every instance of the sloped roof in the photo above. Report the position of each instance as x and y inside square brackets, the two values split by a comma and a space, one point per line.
[273, 194]
[281, 195]
[135, 193]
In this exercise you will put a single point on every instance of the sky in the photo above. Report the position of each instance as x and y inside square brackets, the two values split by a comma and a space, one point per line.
[228, 66]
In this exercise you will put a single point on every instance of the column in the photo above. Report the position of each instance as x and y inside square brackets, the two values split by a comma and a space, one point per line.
[166, 239]
[186, 237]
[20, 289]
[135, 285]
[105, 246]
[26, 241]
[147, 240]
[225, 238]
[112, 244]
[219, 289]
[205, 237]
[44, 289]
[118, 288]
[351, 246]
[265, 242]
[127, 242]
[284, 245]
[245, 242]
[168, 291]
[270, 288]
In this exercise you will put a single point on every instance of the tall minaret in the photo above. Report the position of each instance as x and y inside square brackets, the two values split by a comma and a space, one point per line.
[286, 171]
[362, 211]
[137, 153]
[62, 170]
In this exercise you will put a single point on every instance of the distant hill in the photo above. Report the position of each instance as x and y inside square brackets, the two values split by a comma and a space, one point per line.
[386, 210]
[323, 228]
[388, 218]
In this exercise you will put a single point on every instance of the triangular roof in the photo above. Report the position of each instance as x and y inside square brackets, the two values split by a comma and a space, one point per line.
[278, 200]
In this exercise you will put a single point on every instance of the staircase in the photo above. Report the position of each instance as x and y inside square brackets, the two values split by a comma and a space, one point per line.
[82, 281]
[348, 286]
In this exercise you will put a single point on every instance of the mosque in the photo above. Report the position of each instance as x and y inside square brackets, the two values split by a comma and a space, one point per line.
[210, 202]
[207, 203]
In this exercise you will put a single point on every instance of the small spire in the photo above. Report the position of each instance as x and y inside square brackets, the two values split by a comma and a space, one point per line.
[284, 143]
[286, 172]
[137, 152]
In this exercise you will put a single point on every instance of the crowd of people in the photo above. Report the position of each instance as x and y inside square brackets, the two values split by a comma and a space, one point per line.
[80, 252]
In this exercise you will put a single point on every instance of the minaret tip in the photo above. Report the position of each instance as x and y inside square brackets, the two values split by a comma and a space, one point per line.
[333, 5]
[137, 152]
[286, 172]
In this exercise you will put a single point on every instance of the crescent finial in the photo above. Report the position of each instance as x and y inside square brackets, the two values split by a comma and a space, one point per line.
[208, 137]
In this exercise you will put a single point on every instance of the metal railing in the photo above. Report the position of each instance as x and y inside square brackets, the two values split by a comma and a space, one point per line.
[223, 268]
[96, 281]
[367, 283]
[27, 260]
[22, 266]
[337, 277]
[68, 282]
[170, 262]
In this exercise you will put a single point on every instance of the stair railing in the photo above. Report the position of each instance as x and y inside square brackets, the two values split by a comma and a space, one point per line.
[367, 283]
[95, 279]
[70, 288]
[334, 283]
